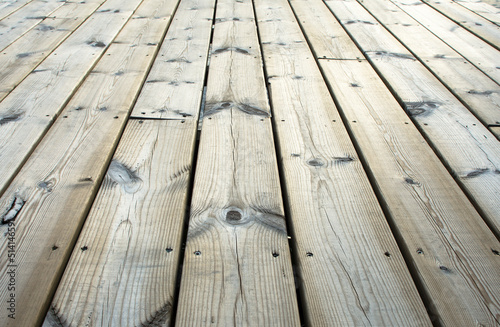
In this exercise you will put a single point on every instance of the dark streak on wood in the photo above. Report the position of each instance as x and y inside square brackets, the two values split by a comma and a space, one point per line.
[343, 159]
[424, 108]
[480, 93]
[239, 50]
[161, 317]
[184, 60]
[213, 108]
[45, 28]
[13, 211]
[392, 54]
[476, 172]
[359, 21]
[96, 44]
[10, 118]
[23, 55]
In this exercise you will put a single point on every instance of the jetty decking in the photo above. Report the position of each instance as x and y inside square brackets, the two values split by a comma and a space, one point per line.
[249, 163]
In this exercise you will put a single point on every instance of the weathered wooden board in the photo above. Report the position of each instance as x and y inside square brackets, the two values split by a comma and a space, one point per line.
[351, 272]
[330, 40]
[124, 267]
[237, 267]
[155, 158]
[464, 144]
[480, 93]
[474, 23]
[22, 56]
[55, 188]
[21, 21]
[449, 248]
[174, 86]
[31, 108]
[483, 9]
[481, 54]
[8, 7]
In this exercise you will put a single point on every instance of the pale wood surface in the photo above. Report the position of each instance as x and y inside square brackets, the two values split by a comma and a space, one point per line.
[10, 6]
[480, 93]
[174, 87]
[22, 56]
[465, 145]
[343, 244]
[483, 9]
[314, 191]
[476, 24]
[447, 243]
[481, 54]
[58, 183]
[32, 107]
[24, 19]
[124, 267]
[237, 268]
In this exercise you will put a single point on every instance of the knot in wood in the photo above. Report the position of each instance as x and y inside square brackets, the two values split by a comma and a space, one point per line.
[233, 215]
[316, 162]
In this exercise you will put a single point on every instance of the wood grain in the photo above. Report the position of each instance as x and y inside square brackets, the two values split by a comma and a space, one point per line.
[174, 86]
[472, 22]
[448, 245]
[27, 52]
[469, 150]
[58, 183]
[483, 9]
[29, 111]
[24, 19]
[237, 268]
[476, 90]
[124, 267]
[481, 54]
[351, 272]
[9, 7]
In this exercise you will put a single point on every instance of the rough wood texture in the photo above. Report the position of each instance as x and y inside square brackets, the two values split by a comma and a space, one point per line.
[29, 110]
[350, 269]
[450, 249]
[467, 147]
[24, 19]
[483, 9]
[124, 267]
[474, 23]
[7, 7]
[481, 54]
[174, 86]
[22, 56]
[237, 268]
[480, 93]
[55, 188]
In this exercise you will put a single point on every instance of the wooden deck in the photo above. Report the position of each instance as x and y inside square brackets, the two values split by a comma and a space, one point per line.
[249, 163]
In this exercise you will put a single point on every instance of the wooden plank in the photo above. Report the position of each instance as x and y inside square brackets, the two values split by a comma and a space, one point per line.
[472, 22]
[9, 7]
[22, 56]
[469, 84]
[153, 202]
[57, 185]
[32, 107]
[330, 40]
[483, 9]
[180, 67]
[448, 246]
[450, 250]
[350, 269]
[479, 53]
[237, 269]
[466, 146]
[23, 20]
[124, 267]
